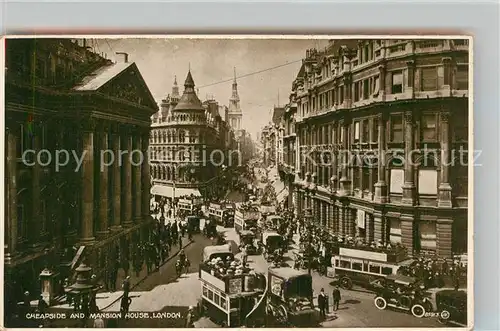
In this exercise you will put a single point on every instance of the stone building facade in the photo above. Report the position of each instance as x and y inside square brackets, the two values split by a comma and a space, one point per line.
[64, 101]
[189, 145]
[377, 139]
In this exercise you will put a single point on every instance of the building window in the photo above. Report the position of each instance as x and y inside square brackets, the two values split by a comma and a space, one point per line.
[356, 91]
[366, 131]
[427, 181]
[366, 179]
[395, 231]
[375, 129]
[376, 85]
[356, 131]
[462, 77]
[429, 79]
[396, 180]
[356, 179]
[429, 127]
[427, 238]
[397, 128]
[397, 82]
[460, 184]
[41, 69]
[366, 89]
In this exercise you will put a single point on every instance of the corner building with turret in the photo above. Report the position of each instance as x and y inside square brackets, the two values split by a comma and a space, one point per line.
[189, 143]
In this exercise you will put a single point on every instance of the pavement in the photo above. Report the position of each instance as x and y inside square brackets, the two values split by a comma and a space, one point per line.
[160, 291]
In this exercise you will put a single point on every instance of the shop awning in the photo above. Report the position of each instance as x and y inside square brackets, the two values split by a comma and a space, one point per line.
[282, 195]
[168, 191]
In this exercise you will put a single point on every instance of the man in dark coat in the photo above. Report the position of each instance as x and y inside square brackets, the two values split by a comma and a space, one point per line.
[336, 297]
[322, 303]
[125, 305]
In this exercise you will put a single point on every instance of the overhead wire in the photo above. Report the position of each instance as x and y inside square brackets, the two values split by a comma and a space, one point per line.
[250, 74]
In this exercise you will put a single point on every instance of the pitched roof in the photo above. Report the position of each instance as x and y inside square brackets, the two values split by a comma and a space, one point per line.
[101, 76]
[189, 100]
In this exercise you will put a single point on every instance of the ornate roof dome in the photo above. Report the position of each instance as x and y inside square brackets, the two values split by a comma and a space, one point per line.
[189, 99]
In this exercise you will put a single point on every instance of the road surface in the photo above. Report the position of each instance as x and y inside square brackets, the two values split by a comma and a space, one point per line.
[356, 307]
[162, 291]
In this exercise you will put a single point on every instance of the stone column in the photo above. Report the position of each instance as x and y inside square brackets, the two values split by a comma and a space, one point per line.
[11, 192]
[116, 168]
[127, 176]
[410, 90]
[369, 224]
[104, 183]
[444, 196]
[345, 183]
[336, 228]
[409, 185]
[382, 73]
[446, 88]
[444, 237]
[34, 222]
[137, 169]
[381, 185]
[342, 215]
[351, 222]
[146, 178]
[87, 187]
[348, 90]
[378, 230]
[406, 224]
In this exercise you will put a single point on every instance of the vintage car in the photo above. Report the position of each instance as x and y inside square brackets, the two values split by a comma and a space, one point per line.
[402, 292]
[272, 241]
[452, 306]
[273, 222]
[290, 298]
[193, 223]
[247, 240]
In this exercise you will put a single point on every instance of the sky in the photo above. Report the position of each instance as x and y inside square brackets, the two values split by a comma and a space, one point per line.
[212, 61]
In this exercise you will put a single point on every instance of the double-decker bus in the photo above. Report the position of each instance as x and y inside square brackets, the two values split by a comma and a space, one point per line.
[223, 216]
[229, 294]
[246, 217]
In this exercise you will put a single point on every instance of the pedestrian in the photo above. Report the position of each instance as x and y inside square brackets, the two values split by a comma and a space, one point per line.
[99, 323]
[125, 305]
[190, 317]
[244, 255]
[336, 298]
[42, 305]
[322, 302]
[126, 286]
[180, 242]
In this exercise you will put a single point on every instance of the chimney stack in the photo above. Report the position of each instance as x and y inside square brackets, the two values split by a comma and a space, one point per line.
[122, 57]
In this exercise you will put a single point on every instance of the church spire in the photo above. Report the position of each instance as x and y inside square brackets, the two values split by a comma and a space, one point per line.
[235, 97]
[175, 89]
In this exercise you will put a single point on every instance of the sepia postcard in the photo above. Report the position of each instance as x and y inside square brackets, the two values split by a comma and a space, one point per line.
[237, 181]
